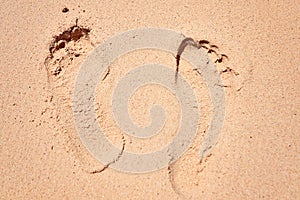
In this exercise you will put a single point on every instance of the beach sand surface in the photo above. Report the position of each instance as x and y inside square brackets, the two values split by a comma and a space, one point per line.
[257, 153]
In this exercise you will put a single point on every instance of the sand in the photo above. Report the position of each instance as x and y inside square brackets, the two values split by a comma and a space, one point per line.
[257, 152]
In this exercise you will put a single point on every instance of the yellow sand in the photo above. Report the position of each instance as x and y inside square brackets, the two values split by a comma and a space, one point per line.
[257, 155]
